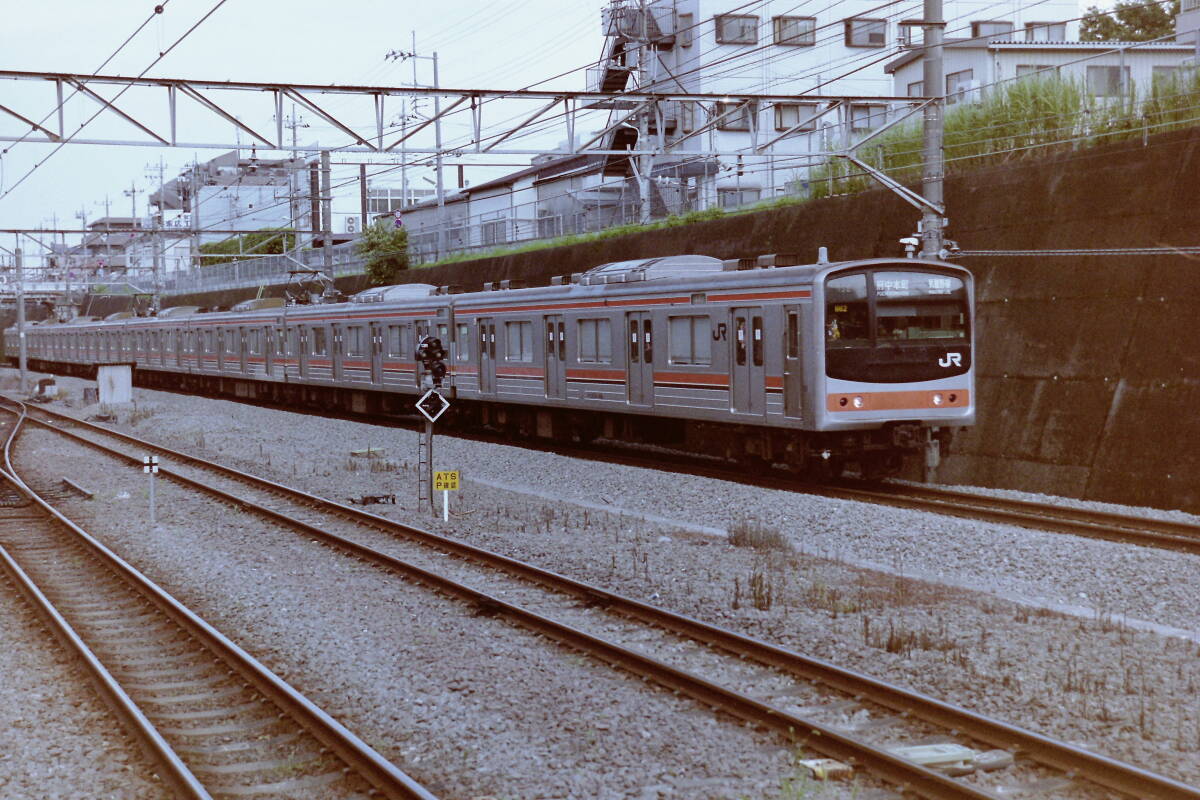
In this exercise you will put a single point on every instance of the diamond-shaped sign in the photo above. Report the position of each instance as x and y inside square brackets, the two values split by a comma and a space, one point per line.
[432, 405]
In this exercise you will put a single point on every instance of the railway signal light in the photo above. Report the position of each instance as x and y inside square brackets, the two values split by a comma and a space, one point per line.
[432, 356]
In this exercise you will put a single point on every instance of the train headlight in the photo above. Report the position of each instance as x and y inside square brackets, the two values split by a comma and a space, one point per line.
[858, 402]
[937, 398]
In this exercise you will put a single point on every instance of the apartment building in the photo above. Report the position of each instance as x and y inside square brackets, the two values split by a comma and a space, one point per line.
[722, 154]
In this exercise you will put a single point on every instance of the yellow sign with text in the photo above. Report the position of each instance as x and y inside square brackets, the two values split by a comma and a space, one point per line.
[445, 480]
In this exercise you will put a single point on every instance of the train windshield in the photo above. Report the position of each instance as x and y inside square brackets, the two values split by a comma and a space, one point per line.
[919, 305]
[893, 325]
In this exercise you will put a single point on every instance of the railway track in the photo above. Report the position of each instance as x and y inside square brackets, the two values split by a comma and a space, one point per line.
[216, 722]
[778, 689]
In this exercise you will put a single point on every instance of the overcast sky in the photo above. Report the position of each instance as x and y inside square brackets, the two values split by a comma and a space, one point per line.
[494, 44]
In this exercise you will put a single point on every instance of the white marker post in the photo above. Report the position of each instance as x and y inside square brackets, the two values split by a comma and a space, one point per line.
[446, 481]
[150, 467]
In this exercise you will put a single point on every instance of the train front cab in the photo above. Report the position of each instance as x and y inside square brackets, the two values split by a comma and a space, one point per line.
[896, 366]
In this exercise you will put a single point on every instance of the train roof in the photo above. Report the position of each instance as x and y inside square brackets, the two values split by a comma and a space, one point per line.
[689, 274]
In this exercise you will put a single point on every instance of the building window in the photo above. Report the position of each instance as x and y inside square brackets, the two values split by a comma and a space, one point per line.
[957, 85]
[520, 341]
[789, 115]
[1034, 70]
[1045, 31]
[992, 30]
[796, 31]
[916, 89]
[1164, 74]
[736, 29]
[686, 23]
[494, 232]
[732, 198]
[595, 341]
[864, 117]
[384, 201]
[735, 116]
[690, 340]
[866, 33]
[1107, 81]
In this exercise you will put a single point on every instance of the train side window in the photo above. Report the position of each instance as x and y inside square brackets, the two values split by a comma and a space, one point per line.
[356, 340]
[254, 341]
[595, 341]
[739, 340]
[519, 341]
[756, 330]
[392, 339]
[793, 334]
[209, 337]
[233, 341]
[319, 345]
[633, 341]
[689, 340]
[462, 341]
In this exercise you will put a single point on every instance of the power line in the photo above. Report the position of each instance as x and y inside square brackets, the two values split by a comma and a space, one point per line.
[90, 119]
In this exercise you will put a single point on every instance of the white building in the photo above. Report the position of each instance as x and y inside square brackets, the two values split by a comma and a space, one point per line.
[718, 47]
[973, 67]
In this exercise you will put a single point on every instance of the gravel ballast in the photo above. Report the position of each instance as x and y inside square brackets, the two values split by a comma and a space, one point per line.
[1038, 629]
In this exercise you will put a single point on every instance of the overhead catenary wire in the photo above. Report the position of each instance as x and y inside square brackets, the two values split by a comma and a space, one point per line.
[163, 54]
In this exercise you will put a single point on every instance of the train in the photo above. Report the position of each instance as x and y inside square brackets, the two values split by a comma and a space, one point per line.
[768, 361]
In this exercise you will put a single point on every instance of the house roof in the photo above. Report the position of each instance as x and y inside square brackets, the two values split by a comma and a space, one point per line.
[982, 43]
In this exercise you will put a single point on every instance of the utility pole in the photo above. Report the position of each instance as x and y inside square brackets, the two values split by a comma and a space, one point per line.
[132, 192]
[933, 169]
[156, 238]
[437, 141]
[400, 55]
[293, 122]
[326, 214]
[21, 355]
[646, 160]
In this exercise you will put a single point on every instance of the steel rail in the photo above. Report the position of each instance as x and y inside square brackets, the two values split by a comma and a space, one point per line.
[174, 771]
[377, 770]
[1067, 519]
[1108, 772]
[829, 741]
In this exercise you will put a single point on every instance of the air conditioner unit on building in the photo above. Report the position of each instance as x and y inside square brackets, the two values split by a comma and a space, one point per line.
[351, 224]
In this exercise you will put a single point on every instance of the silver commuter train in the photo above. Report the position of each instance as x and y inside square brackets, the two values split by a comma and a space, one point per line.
[812, 365]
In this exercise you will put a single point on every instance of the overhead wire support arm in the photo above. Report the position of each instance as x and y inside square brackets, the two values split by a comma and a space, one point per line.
[51, 135]
[216, 109]
[899, 188]
[429, 121]
[332, 120]
[108, 104]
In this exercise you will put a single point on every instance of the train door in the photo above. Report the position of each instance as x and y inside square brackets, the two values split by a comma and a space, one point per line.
[793, 362]
[556, 356]
[375, 353]
[747, 376]
[639, 351]
[487, 355]
[336, 349]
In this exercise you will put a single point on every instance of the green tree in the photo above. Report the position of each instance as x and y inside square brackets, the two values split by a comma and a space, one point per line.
[385, 249]
[1129, 22]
